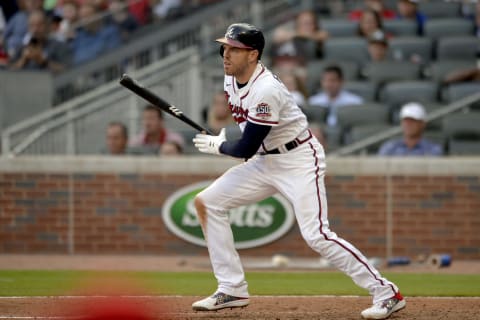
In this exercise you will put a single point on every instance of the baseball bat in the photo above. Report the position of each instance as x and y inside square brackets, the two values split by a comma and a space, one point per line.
[155, 100]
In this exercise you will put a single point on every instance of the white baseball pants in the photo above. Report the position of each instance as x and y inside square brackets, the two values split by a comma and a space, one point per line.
[299, 176]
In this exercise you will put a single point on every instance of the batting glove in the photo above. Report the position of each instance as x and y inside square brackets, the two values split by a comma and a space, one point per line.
[209, 144]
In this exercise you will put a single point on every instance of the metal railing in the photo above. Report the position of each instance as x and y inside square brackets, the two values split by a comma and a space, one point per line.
[158, 41]
[75, 126]
[362, 145]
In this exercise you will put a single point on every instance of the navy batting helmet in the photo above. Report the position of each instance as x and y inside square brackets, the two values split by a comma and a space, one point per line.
[245, 36]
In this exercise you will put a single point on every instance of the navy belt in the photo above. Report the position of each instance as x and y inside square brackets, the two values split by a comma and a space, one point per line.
[289, 145]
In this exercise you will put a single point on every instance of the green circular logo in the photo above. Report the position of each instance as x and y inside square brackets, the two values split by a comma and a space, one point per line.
[252, 225]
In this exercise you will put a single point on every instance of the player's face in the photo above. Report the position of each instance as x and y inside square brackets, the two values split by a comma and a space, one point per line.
[236, 60]
[116, 140]
[412, 128]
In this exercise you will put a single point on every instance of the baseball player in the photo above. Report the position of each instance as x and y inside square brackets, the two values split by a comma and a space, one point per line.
[284, 157]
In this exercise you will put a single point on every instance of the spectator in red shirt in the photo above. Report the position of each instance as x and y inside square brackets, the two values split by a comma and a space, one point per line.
[375, 5]
[141, 10]
[154, 133]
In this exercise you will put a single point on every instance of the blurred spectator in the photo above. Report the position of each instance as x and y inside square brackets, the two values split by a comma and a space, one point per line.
[94, 37]
[369, 23]
[121, 17]
[295, 86]
[408, 9]
[154, 133]
[463, 75]
[375, 5]
[218, 114]
[141, 10]
[413, 123]
[171, 148]
[69, 14]
[301, 44]
[163, 8]
[117, 138]
[378, 46]
[39, 50]
[17, 26]
[333, 96]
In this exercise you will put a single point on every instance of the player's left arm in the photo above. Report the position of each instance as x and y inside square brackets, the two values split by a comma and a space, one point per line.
[251, 140]
[245, 147]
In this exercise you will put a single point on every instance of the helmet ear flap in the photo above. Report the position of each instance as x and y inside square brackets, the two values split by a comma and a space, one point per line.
[221, 51]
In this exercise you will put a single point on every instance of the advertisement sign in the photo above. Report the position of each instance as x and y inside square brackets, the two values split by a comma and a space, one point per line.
[252, 225]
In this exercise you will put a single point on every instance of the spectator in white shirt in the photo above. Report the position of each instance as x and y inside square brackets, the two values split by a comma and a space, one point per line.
[333, 96]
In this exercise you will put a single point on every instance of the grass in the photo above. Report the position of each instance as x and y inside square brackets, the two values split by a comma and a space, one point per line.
[40, 283]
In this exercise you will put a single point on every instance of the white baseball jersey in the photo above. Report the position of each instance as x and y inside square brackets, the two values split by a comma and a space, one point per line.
[265, 100]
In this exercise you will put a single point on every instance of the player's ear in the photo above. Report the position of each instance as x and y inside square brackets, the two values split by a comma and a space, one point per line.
[253, 55]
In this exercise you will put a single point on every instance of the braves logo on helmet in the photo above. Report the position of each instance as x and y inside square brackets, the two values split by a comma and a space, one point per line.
[229, 34]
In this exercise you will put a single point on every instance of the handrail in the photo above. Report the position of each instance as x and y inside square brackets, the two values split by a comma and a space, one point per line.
[93, 100]
[389, 133]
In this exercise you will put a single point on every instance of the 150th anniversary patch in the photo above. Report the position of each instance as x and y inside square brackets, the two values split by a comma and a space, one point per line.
[262, 111]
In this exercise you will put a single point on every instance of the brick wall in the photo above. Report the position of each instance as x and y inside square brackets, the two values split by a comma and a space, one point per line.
[114, 206]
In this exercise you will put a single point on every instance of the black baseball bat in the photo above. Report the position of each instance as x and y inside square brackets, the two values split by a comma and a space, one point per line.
[155, 100]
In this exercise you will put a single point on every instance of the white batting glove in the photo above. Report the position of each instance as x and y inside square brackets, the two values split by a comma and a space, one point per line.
[209, 144]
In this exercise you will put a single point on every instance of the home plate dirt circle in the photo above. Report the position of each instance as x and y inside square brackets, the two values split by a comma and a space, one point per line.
[261, 307]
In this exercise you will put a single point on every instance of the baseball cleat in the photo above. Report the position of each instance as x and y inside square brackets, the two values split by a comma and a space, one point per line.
[383, 309]
[219, 301]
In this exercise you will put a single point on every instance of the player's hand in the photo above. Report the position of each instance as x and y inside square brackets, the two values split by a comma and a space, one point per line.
[209, 144]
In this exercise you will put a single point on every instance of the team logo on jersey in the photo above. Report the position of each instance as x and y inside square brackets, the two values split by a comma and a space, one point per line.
[262, 111]
[252, 225]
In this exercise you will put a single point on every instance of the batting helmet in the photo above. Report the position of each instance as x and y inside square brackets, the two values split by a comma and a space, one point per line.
[243, 35]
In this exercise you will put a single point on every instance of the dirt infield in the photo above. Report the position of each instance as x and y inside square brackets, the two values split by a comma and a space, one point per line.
[261, 308]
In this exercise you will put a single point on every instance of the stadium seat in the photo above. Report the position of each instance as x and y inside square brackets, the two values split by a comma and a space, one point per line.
[395, 94]
[315, 68]
[316, 114]
[439, 9]
[347, 48]
[386, 71]
[436, 28]
[362, 131]
[366, 89]
[406, 48]
[457, 47]
[438, 70]
[461, 125]
[457, 91]
[366, 114]
[462, 132]
[339, 27]
[400, 27]
[463, 147]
